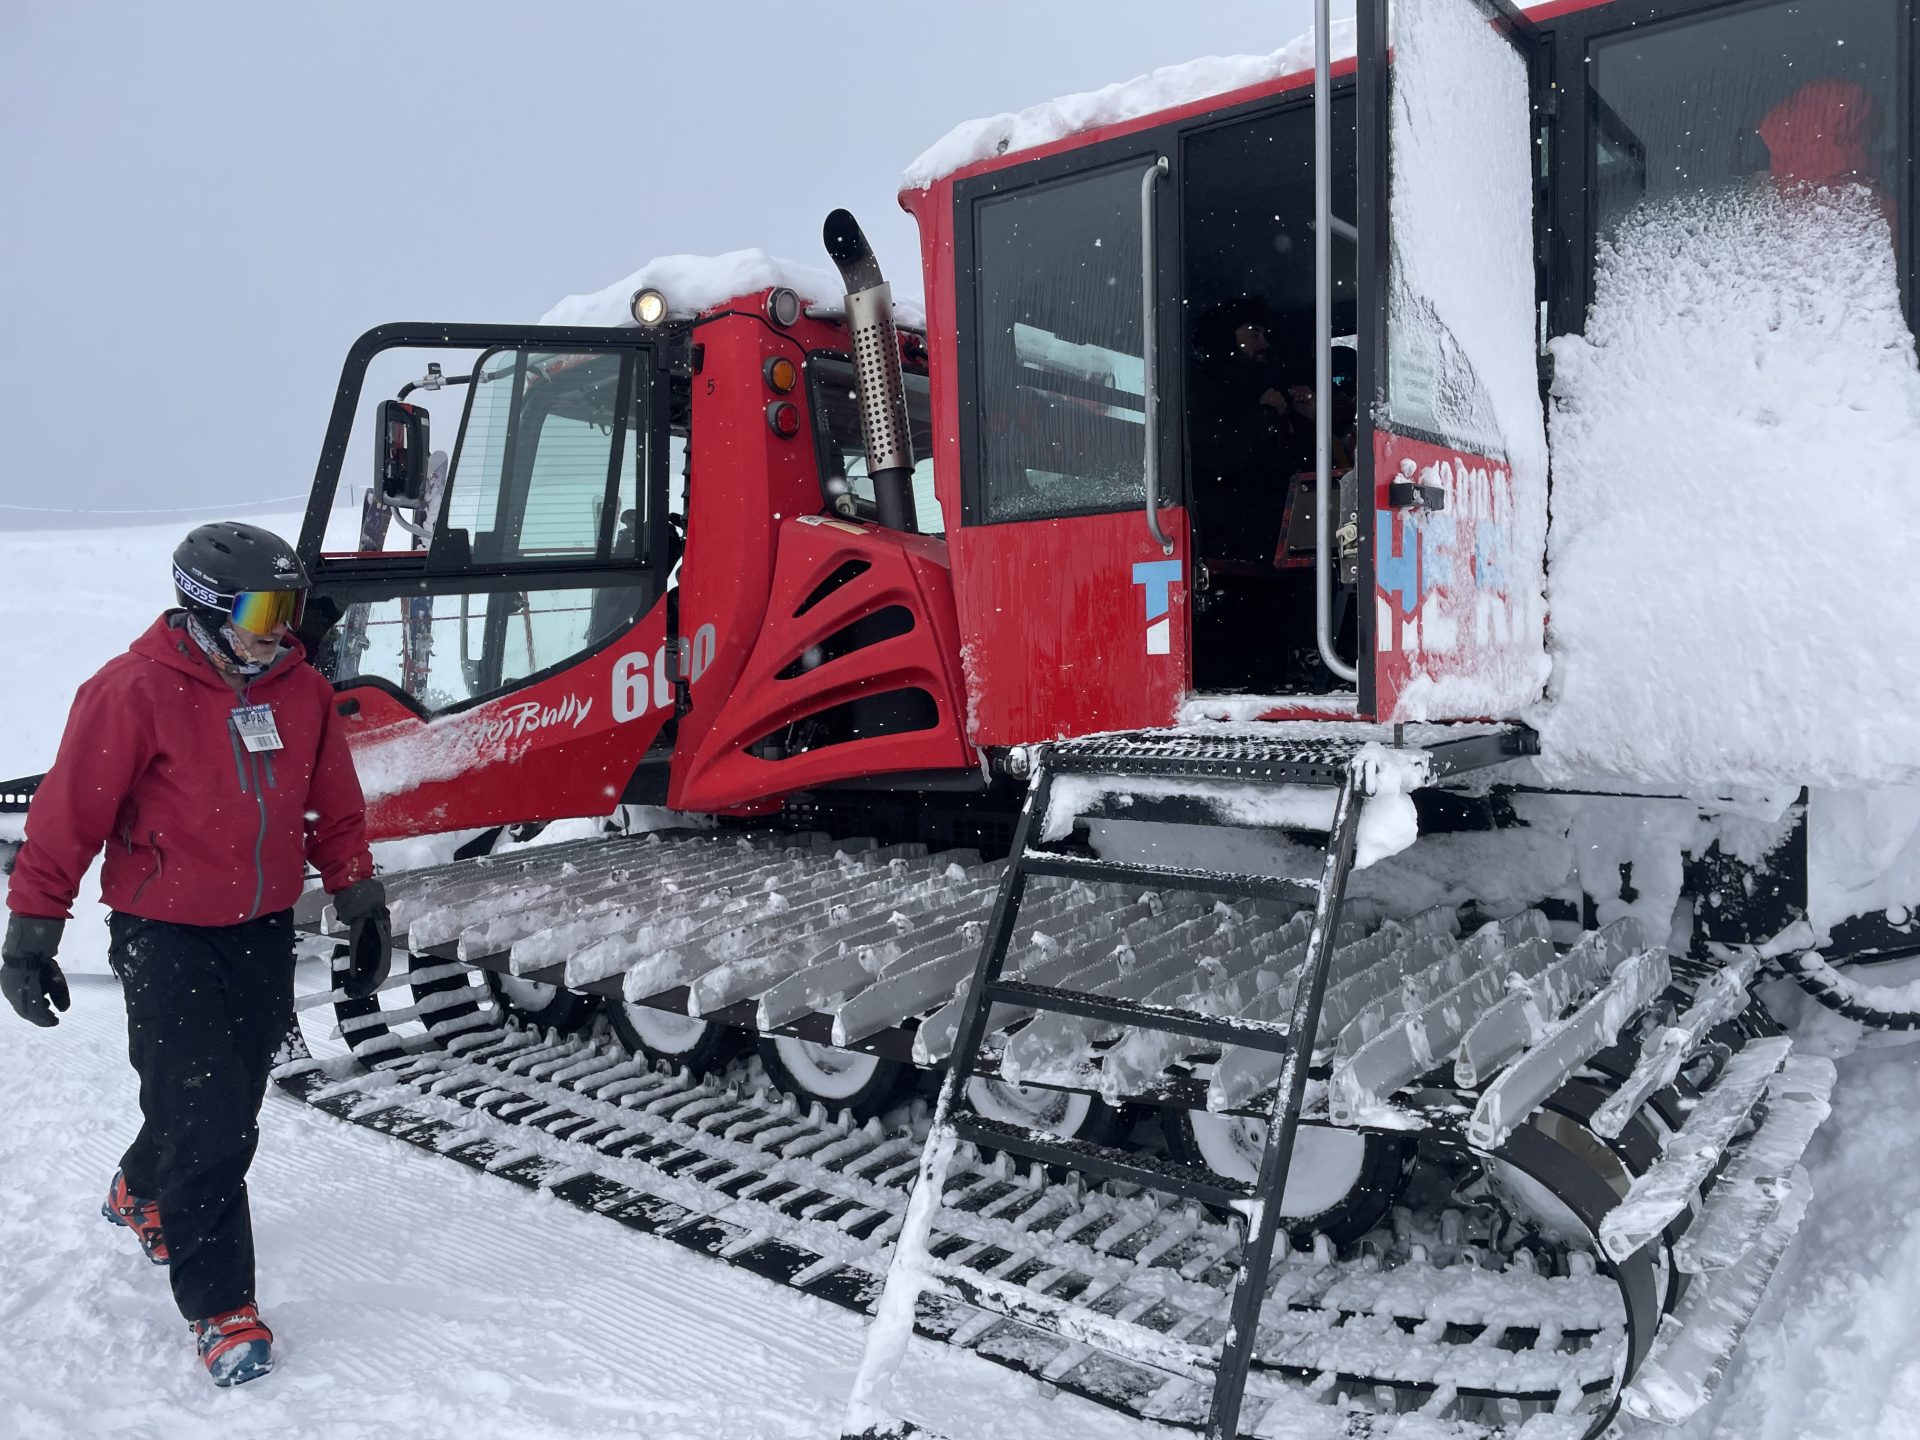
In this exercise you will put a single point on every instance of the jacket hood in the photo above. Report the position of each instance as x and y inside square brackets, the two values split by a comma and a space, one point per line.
[1820, 134]
[166, 642]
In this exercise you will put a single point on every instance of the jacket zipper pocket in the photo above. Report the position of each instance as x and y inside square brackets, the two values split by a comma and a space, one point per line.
[240, 766]
[159, 864]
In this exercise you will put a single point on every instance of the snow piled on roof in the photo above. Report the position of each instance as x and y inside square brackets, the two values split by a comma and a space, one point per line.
[1731, 581]
[1163, 89]
[694, 284]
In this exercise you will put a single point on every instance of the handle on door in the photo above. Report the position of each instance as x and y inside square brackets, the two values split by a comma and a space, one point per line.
[1149, 307]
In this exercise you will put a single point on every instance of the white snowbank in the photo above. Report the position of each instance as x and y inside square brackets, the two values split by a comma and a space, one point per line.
[1169, 86]
[697, 283]
[1863, 854]
[1732, 582]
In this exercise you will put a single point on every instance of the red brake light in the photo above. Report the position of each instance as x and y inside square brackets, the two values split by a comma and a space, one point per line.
[784, 417]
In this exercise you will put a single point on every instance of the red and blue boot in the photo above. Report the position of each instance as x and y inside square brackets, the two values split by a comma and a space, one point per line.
[142, 1217]
[235, 1347]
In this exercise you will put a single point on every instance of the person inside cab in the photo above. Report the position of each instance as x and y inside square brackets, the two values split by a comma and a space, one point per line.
[1249, 438]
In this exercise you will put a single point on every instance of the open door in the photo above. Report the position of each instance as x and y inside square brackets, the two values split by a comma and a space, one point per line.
[507, 660]
[1450, 355]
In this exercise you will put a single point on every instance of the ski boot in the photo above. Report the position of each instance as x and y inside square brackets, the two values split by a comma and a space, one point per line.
[142, 1217]
[235, 1347]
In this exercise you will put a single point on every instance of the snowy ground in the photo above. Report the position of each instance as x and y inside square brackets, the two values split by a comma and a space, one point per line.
[408, 1296]
[413, 1298]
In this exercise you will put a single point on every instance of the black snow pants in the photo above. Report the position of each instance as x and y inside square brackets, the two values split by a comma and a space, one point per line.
[207, 1006]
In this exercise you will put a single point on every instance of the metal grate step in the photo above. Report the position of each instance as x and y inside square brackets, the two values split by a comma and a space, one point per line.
[1281, 758]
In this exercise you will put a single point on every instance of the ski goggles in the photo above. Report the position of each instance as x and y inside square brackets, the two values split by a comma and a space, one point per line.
[259, 611]
[264, 611]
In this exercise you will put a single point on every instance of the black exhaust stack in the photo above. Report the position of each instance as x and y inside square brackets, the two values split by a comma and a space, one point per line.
[876, 367]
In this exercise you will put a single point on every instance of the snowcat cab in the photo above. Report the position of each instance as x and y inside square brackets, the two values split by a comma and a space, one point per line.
[641, 575]
[1125, 323]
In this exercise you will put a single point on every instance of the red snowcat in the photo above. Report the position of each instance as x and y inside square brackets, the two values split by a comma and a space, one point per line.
[1104, 701]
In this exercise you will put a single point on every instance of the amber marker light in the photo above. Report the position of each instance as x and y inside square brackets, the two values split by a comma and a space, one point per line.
[782, 374]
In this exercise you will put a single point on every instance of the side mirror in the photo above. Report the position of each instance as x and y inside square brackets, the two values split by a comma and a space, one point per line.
[400, 461]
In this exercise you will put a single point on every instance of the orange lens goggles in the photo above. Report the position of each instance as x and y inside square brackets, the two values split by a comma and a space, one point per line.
[264, 611]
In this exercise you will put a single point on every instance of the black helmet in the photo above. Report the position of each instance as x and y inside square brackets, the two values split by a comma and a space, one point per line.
[218, 564]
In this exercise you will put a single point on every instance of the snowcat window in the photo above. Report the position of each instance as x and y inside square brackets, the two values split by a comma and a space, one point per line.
[446, 650]
[1061, 378]
[843, 446]
[549, 462]
[1800, 91]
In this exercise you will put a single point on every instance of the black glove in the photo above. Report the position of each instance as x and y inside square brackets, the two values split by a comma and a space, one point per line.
[362, 908]
[28, 976]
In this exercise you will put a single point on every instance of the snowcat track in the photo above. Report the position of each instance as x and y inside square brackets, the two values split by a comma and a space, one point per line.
[813, 1204]
[1465, 1039]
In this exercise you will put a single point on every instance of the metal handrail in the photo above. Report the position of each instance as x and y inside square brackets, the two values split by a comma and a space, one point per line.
[1323, 343]
[1149, 306]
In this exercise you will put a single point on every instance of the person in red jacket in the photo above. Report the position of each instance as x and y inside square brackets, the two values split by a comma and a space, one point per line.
[209, 763]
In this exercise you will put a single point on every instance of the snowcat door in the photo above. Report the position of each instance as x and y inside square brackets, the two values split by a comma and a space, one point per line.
[1450, 354]
[510, 661]
[1070, 560]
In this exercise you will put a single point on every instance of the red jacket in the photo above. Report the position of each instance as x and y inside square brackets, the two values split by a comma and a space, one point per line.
[197, 830]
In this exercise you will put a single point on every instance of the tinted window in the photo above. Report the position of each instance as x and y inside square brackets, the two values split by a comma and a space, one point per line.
[447, 650]
[1061, 380]
[536, 477]
[1805, 91]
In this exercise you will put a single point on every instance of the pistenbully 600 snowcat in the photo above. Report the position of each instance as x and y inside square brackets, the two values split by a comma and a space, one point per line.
[1104, 693]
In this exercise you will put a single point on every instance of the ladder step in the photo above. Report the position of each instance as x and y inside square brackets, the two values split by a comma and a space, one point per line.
[1105, 1162]
[1169, 877]
[1072, 1321]
[1142, 1014]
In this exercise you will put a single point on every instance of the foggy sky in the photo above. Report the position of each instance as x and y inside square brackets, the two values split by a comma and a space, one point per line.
[204, 203]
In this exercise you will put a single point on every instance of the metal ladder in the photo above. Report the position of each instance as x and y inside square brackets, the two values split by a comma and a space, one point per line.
[1166, 756]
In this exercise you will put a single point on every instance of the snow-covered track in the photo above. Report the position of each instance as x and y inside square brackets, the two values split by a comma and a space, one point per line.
[814, 1203]
[1546, 1123]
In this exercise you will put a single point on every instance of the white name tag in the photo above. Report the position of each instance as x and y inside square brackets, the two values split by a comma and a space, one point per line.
[254, 724]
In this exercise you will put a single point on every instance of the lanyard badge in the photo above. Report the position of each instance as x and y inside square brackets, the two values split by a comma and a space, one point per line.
[254, 725]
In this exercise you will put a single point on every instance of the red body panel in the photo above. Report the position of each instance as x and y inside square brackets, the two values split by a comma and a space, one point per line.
[745, 485]
[1442, 605]
[547, 751]
[1060, 633]
[772, 690]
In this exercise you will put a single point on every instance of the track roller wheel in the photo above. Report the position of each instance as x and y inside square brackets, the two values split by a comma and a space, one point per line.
[1342, 1182]
[848, 1080]
[546, 1007]
[1070, 1114]
[697, 1045]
